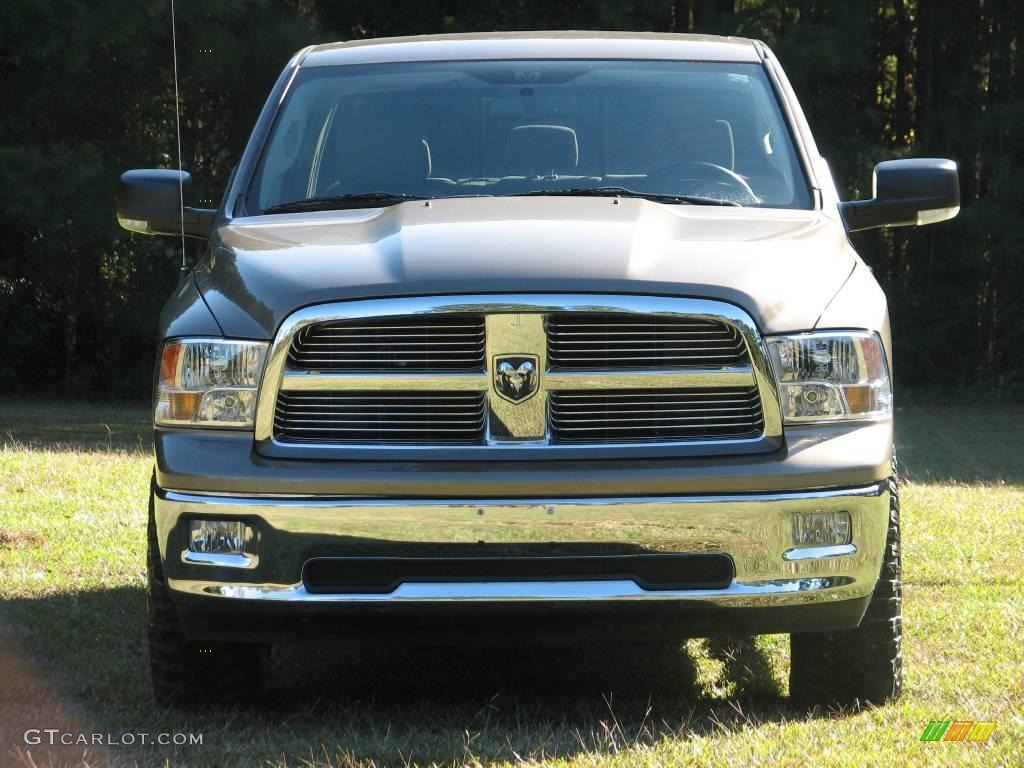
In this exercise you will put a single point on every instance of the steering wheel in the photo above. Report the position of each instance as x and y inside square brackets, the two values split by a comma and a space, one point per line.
[695, 172]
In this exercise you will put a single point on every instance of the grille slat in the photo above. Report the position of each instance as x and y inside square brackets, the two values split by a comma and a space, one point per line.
[393, 325]
[569, 335]
[666, 359]
[374, 342]
[431, 343]
[375, 430]
[380, 418]
[667, 411]
[668, 344]
[585, 341]
[652, 416]
[350, 363]
[405, 410]
[626, 321]
[630, 395]
[629, 423]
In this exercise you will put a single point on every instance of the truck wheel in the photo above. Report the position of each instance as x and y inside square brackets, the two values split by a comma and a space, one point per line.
[855, 666]
[188, 674]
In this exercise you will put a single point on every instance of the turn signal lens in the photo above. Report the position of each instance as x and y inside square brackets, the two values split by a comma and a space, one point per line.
[177, 406]
[209, 382]
[831, 376]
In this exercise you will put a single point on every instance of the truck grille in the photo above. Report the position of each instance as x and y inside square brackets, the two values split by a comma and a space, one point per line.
[470, 377]
[427, 342]
[380, 418]
[584, 341]
[655, 415]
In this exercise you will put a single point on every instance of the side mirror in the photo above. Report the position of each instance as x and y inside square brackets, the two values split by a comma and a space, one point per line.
[150, 202]
[907, 193]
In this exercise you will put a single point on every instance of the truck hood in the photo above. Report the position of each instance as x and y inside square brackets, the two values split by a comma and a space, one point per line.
[781, 266]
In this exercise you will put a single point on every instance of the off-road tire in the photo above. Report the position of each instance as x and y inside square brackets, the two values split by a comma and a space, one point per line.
[195, 675]
[853, 667]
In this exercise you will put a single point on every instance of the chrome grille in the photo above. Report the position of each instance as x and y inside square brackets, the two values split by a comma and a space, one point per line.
[442, 377]
[413, 343]
[588, 341]
[381, 418]
[629, 415]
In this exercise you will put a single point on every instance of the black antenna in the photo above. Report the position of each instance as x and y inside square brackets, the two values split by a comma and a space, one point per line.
[177, 121]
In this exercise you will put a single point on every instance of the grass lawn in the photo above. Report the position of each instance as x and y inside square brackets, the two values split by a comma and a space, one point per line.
[73, 485]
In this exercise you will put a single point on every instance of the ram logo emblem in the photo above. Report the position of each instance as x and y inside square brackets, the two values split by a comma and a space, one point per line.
[516, 377]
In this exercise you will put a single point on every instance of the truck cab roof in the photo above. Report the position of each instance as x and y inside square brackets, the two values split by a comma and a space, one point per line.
[533, 45]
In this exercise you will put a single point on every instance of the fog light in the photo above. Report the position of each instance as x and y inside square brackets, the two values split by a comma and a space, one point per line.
[821, 529]
[222, 537]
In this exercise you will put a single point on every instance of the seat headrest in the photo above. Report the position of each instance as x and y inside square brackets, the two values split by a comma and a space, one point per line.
[542, 149]
[374, 155]
[701, 138]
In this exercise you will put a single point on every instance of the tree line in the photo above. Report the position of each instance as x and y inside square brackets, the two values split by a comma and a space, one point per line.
[88, 91]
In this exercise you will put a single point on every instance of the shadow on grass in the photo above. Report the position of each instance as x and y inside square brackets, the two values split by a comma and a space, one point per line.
[747, 668]
[79, 662]
[67, 425]
[961, 444]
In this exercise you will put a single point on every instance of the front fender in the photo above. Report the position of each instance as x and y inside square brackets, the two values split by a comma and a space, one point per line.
[186, 313]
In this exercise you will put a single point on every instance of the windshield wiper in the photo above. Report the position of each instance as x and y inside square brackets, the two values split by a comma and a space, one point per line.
[341, 202]
[623, 192]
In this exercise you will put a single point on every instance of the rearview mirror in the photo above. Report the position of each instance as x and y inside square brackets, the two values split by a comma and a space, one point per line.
[907, 193]
[150, 202]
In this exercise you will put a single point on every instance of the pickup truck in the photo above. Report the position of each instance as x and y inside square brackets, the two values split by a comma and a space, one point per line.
[527, 336]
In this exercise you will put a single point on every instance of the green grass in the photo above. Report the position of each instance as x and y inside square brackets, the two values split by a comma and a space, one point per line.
[73, 485]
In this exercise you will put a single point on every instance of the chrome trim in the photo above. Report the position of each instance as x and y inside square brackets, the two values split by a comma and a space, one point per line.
[330, 382]
[754, 529]
[223, 560]
[277, 499]
[816, 553]
[799, 590]
[525, 441]
[732, 376]
[516, 334]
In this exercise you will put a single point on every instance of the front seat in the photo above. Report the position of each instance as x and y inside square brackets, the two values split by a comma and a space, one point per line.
[697, 139]
[542, 151]
[373, 155]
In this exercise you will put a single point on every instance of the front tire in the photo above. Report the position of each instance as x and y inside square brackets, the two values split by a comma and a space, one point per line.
[852, 667]
[188, 674]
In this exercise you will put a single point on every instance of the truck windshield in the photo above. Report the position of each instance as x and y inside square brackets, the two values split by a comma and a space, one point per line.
[674, 131]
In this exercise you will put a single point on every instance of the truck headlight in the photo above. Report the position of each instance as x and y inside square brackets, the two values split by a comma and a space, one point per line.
[831, 376]
[209, 382]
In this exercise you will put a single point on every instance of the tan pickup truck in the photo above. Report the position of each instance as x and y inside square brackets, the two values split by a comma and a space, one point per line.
[519, 336]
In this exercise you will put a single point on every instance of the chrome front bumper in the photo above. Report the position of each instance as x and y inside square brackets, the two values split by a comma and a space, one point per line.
[754, 530]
